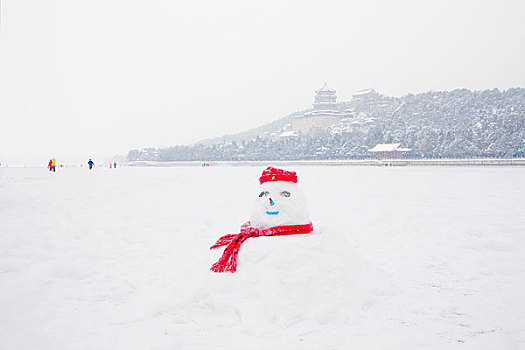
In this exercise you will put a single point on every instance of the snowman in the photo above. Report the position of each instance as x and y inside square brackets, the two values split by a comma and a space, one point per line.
[279, 202]
[279, 209]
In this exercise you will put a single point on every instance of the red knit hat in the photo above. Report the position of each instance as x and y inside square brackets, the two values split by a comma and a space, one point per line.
[273, 174]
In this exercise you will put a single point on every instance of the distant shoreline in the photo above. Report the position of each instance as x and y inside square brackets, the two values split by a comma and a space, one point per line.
[339, 162]
[346, 162]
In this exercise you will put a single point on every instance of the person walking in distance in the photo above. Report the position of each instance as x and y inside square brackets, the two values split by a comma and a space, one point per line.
[90, 163]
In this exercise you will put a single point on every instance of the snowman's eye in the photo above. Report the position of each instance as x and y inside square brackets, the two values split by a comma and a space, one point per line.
[263, 193]
[285, 194]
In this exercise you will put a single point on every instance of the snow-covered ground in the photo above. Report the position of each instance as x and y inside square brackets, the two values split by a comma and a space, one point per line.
[401, 258]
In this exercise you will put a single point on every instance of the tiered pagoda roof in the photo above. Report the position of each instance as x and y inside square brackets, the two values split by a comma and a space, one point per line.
[325, 99]
[324, 89]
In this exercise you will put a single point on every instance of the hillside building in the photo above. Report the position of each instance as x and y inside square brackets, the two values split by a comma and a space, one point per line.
[365, 95]
[389, 151]
[324, 114]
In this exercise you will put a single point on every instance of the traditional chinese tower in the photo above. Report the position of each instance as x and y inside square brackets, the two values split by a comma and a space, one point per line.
[325, 99]
[325, 113]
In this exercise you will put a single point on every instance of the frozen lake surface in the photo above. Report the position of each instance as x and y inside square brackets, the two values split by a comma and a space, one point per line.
[400, 258]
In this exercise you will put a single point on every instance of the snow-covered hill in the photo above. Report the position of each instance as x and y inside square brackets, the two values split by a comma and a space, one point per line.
[459, 123]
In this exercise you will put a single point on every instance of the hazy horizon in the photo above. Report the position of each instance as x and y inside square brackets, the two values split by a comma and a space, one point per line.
[98, 78]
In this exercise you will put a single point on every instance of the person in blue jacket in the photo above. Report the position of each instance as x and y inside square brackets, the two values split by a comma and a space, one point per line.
[90, 163]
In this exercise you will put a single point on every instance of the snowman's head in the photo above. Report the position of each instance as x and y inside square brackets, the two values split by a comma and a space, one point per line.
[279, 201]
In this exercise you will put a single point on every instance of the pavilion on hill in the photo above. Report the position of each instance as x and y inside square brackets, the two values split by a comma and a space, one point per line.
[324, 114]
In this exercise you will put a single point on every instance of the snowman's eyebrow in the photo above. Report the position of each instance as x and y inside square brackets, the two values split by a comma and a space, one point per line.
[263, 193]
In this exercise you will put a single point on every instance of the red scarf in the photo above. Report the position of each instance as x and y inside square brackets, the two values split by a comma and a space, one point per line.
[228, 261]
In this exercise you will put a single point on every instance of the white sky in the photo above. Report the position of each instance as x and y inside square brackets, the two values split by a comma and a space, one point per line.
[80, 79]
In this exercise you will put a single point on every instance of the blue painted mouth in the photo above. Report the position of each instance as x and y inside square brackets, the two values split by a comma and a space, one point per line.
[272, 212]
